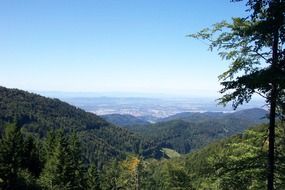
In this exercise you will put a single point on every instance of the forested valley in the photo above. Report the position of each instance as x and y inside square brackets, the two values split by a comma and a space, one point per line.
[46, 145]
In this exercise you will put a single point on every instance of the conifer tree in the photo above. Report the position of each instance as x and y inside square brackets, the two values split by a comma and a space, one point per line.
[93, 178]
[31, 156]
[76, 173]
[111, 176]
[11, 157]
[63, 167]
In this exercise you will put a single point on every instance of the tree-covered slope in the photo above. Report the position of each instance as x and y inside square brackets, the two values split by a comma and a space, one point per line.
[253, 115]
[237, 162]
[37, 114]
[189, 131]
[124, 120]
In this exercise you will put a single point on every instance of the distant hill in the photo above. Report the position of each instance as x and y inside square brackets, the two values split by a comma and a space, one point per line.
[37, 114]
[255, 115]
[186, 132]
[124, 120]
[192, 116]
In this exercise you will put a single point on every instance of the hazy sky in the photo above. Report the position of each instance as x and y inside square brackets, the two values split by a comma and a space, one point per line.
[110, 45]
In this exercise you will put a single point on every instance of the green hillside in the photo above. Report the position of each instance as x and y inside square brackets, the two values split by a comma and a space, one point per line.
[252, 115]
[124, 120]
[186, 132]
[37, 115]
[235, 163]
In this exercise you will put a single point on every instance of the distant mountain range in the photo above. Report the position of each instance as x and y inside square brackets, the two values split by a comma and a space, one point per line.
[253, 115]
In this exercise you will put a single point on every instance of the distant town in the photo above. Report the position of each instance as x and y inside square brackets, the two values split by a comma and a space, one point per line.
[152, 107]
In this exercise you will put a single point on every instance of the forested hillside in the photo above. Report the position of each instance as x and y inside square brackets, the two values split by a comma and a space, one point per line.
[253, 116]
[56, 163]
[186, 132]
[235, 163]
[124, 120]
[37, 115]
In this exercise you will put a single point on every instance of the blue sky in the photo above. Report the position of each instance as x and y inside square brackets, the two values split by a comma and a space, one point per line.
[110, 45]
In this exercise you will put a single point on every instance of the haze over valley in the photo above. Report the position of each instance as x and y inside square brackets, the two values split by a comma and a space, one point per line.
[153, 107]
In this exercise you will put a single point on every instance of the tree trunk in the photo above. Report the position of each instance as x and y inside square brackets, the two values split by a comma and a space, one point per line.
[272, 115]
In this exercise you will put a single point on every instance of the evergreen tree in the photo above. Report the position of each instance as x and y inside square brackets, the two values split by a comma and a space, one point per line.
[11, 157]
[76, 173]
[111, 176]
[31, 156]
[63, 169]
[93, 178]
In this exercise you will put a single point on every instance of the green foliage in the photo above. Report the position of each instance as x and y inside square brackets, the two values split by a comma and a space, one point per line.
[110, 176]
[31, 157]
[280, 156]
[93, 178]
[164, 175]
[63, 168]
[236, 163]
[242, 164]
[11, 156]
[19, 161]
[247, 43]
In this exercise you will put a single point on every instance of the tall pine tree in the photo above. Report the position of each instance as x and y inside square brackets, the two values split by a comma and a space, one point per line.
[63, 168]
[11, 157]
